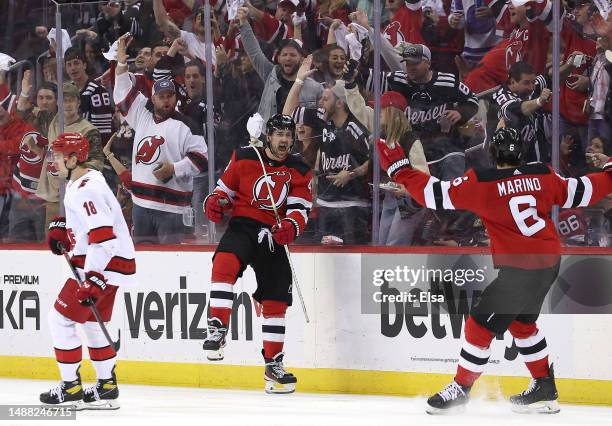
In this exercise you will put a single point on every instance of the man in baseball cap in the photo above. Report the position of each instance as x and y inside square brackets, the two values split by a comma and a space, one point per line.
[164, 99]
[414, 53]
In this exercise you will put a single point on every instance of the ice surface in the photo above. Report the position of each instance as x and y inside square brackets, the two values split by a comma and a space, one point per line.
[193, 406]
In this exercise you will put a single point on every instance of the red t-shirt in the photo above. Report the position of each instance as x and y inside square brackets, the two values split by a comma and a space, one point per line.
[572, 101]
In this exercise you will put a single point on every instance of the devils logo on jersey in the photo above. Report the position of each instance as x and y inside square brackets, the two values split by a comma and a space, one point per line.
[279, 185]
[27, 154]
[148, 149]
[394, 34]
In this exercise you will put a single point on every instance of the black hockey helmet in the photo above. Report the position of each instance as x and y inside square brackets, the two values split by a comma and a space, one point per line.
[280, 122]
[506, 147]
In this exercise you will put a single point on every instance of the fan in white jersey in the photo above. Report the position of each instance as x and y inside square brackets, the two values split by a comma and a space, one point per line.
[95, 231]
[169, 150]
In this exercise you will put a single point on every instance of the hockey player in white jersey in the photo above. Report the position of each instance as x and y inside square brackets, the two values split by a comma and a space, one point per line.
[95, 231]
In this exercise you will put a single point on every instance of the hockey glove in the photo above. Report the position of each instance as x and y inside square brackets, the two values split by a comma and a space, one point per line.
[58, 236]
[92, 288]
[284, 233]
[392, 159]
[215, 205]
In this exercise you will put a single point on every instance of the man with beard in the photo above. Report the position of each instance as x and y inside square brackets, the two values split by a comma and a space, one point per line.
[95, 100]
[278, 78]
[342, 165]
[255, 236]
[520, 103]
[167, 153]
[438, 104]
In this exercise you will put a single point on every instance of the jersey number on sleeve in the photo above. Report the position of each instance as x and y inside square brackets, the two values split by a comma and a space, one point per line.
[520, 216]
[90, 208]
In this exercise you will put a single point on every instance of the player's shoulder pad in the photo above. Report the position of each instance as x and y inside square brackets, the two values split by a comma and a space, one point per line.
[246, 153]
[492, 174]
[296, 162]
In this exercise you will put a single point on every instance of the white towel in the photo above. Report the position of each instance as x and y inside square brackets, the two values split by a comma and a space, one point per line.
[6, 61]
[66, 43]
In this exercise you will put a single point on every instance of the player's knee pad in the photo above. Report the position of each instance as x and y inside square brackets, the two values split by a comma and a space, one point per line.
[226, 267]
[521, 330]
[476, 334]
[95, 335]
[273, 308]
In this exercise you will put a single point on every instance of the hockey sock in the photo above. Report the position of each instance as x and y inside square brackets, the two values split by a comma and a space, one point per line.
[532, 346]
[67, 345]
[475, 353]
[101, 354]
[273, 328]
[226, 268]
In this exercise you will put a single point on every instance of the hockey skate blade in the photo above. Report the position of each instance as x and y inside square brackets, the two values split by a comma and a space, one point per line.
[105, 404]
[278, 388]
[69, 405]
[214, 355]
[541, 407]
[459, 409]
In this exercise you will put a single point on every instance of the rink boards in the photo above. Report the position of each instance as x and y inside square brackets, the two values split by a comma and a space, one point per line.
[411, 348]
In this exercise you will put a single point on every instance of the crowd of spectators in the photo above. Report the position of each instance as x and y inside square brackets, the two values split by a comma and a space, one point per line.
[452, 72]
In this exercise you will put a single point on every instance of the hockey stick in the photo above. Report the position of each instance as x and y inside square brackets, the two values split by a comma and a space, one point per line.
[92, 306]
[278, 221]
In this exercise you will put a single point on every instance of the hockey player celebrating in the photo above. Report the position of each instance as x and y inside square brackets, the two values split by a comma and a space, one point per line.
[514, 202]
[103, 254]
[254, 238]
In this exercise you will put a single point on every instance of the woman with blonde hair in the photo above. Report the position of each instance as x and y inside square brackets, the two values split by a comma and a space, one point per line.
[400, 214]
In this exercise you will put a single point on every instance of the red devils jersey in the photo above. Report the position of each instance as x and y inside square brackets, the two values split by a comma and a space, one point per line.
[572, 101]
[244, 183]
[514, 205]
[406, 24]
[27, 172]
[573, 227]
[528, 44]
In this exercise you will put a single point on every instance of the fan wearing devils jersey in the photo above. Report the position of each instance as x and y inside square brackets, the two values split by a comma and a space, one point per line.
[514, 203]
[169, 150]
[95, 231]
[255, 238]
[95, 100]
[528, 42]
[521, 105]
[406, 23]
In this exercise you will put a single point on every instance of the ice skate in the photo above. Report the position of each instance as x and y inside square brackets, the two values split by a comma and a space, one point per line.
[67, 394]
[277, 379]
[450, 400]
[539, 398]
[214, 341]
[104, 395]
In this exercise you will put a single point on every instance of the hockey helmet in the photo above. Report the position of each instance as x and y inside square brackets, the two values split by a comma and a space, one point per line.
[506, 147]
[72, 143]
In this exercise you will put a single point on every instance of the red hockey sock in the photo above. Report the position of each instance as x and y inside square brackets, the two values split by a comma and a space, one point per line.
[475, 353]
[226, 267]
[532, 346]
[273, 328]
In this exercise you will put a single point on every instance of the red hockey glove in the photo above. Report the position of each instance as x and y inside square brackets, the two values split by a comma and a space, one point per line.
[389, 156]
[58, 236]
[284, 233]
[92, 289]
[214, 206]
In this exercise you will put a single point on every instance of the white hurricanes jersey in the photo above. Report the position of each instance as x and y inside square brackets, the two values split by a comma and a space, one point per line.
[169, 141]
[96, 227]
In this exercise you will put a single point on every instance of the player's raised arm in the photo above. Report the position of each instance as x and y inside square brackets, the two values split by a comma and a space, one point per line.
[427, 190]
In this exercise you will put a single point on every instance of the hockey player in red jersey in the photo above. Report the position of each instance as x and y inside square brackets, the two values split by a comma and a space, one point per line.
[253, 238]
[514, 202]
[103, 254]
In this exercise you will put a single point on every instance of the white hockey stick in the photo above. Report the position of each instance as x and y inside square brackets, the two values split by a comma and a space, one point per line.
[278, 221]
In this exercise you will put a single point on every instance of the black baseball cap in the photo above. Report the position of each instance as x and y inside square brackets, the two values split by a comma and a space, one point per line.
[163, 86]
[414, 53]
